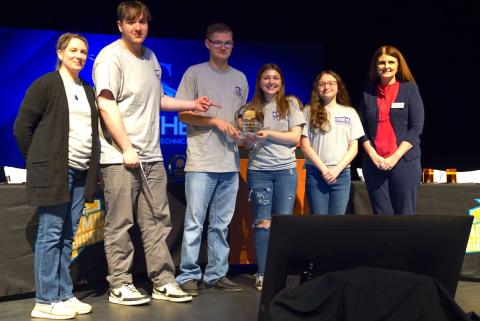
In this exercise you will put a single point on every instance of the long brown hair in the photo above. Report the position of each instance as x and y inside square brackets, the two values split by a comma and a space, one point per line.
[403, 74]
[258, 100]
[318, 113]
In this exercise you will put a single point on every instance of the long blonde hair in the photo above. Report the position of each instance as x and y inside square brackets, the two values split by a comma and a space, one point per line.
[318, 114]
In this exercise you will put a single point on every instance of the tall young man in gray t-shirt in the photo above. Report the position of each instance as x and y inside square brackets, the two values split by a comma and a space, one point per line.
[129, 95]
[211, 179]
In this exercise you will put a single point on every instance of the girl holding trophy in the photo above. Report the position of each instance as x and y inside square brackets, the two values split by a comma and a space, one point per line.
[272, 125]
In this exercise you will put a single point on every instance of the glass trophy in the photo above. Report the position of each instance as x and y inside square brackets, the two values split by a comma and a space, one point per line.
[250, 126]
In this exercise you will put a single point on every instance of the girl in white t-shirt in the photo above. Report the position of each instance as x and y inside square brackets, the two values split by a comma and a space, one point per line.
[329, 143]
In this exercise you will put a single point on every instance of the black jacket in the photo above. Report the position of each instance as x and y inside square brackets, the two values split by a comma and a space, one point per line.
[368, 294]
[41, 131]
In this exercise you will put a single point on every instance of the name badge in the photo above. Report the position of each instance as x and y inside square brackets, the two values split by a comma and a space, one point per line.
[398, 105]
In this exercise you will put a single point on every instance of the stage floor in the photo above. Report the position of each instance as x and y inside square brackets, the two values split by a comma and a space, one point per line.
[211, 305]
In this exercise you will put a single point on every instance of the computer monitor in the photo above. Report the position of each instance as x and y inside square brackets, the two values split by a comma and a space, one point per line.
[304, 247]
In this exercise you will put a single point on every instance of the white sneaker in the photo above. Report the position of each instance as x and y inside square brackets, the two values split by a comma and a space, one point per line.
[127, 294]
[171, 292]
[79, 306]
[259, 282]
[54, 310]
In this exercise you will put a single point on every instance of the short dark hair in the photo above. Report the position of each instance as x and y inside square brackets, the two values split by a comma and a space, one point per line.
[128, 10]
[218, 27]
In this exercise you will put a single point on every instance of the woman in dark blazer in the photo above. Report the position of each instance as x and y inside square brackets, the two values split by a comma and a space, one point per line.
[57, 132]
[392, 115]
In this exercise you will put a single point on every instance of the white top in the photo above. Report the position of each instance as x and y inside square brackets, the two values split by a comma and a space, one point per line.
[80, 125]
[333, 145]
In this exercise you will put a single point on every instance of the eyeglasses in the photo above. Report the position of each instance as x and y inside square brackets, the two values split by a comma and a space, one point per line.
[219, 44]
[329, 84]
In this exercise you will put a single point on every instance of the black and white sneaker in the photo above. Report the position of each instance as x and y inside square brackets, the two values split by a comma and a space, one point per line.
[127, 294]
[171, 292]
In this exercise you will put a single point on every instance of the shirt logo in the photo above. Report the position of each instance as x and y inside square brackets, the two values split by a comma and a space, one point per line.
[157, 73]
[276, 115]
[343, 121]
[237, 91]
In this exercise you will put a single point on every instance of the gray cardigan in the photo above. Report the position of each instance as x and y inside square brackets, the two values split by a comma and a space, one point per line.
[41, 131]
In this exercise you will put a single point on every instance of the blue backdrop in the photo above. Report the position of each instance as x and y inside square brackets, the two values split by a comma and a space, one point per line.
[28, 54]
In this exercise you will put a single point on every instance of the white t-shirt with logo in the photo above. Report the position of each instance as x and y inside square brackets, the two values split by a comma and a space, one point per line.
[333, 145]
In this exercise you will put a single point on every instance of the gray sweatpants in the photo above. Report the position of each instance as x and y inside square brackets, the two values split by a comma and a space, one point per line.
[128, 202]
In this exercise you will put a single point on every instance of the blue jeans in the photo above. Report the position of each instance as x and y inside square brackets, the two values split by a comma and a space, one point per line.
[217, 193]
[272, 192]
[327, 199]
[53, 248]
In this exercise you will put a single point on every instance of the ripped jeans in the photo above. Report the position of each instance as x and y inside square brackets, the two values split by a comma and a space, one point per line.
[271, 193]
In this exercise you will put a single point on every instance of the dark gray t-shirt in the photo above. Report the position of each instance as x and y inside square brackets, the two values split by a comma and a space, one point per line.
[273, 155]
[208, 149]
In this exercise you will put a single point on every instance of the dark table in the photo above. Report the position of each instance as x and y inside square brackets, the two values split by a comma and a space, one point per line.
[433, 199]
[18, 228]
[18, 224]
